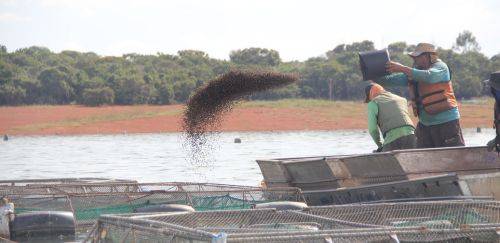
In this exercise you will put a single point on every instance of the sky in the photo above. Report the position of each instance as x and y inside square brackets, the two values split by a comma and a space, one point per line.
[297, 29]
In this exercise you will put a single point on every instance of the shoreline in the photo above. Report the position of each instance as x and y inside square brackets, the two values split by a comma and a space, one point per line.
[254, 116]
[181, 132]
[171, 133]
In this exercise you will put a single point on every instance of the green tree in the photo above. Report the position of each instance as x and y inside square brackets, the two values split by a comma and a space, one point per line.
[3, 50]
[466, 42]
[365, 45]
[255, 56]
[55, 88]
[98, 96]
[165, 93]
[183, 89]
[36, 75]
[468, 69]
[11, 95]
[6, 72]
[129, 90]
[397, 47]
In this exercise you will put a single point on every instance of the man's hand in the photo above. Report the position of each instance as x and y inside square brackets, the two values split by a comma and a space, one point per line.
[491, 145]
[396, 67]
[494, 145]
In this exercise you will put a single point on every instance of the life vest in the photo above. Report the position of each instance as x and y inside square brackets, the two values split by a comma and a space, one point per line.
[392, 112]
[433, 98]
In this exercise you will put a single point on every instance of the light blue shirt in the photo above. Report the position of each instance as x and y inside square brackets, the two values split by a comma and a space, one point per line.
[437, 73]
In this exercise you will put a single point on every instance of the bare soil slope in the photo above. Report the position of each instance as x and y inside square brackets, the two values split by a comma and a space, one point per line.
[283, 115]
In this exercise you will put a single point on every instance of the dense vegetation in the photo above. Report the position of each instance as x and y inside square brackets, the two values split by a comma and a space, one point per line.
[35, 75]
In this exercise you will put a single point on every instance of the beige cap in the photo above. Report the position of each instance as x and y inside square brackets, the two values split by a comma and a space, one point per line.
[423, 48]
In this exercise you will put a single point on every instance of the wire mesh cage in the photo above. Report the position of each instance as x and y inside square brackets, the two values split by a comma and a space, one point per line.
[106, 186]
[429, 214]
[446, 221]
[64, 185]
[62, 181]
[253, 220]
[374, 235]
[89, 201]
[206, 226]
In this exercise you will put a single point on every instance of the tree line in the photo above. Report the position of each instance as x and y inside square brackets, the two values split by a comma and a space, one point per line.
[36, 75]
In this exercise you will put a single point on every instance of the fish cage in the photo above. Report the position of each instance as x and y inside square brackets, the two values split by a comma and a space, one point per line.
[442, 221]
[119, 198]
[204, 226]
[62, 181]
[451, 214]
[77, 186]
[60, 185]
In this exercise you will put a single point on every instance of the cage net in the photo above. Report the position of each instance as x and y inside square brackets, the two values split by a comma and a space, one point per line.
[257, 219]
[377, 235]
[205, 226]
[65, 185]
[104, 186]
[438, 221]
[428, 214]
[62, 181]
[89, 201]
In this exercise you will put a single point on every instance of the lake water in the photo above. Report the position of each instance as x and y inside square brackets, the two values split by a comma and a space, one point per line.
[161, 157]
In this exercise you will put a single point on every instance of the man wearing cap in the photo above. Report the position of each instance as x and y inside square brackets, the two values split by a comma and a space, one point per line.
[388, 113]
[494, 83]
[432, 97]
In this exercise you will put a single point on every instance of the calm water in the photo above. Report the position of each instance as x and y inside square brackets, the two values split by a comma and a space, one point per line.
[161, 157]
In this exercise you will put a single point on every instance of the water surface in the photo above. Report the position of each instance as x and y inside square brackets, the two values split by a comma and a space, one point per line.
[161, 157]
